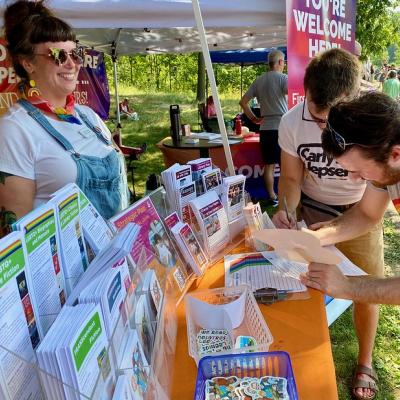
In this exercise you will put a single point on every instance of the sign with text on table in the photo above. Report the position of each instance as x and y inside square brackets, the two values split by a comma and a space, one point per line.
[312, 27]
[92, 88]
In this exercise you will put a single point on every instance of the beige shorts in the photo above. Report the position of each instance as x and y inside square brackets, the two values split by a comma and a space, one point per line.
[365, 251]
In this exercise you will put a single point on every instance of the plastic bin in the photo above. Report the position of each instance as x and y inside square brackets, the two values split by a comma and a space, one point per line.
[276, 363]
[253, 323]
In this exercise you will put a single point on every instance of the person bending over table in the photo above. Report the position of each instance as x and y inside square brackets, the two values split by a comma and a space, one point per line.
[46, 141]
[364, 137]
[324, 188]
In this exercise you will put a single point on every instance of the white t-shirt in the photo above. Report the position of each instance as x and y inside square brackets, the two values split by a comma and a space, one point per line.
[324, 179]
[28, 151]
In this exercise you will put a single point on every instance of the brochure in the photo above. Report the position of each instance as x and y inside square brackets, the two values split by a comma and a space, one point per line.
[233, 196]
[96, 232]
[19, 332]
[133, 365]
[190, 247]
[212, 222]
[44, 272]
[212, 181]
[72, 246]
[75, 351]
[153, 239]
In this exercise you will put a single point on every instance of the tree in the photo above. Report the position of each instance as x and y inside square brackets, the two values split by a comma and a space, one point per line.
[378, 25]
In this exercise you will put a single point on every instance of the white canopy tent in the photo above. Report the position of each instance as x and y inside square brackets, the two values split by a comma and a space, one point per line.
[125, 27]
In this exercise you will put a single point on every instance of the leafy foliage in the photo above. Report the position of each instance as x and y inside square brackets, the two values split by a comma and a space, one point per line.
[377, 25]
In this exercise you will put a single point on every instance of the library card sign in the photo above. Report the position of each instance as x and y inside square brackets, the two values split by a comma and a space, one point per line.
[312, 27]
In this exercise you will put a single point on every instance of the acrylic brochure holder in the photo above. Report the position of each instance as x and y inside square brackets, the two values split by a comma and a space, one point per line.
[141, 345]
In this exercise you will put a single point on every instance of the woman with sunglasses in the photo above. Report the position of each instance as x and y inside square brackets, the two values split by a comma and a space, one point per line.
[46, 141]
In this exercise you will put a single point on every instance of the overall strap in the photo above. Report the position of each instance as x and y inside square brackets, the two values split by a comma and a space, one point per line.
[93, 128]
[38, 116]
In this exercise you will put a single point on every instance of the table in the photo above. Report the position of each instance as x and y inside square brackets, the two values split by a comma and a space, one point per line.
[203, 146]
[297, 326]
[246, 157]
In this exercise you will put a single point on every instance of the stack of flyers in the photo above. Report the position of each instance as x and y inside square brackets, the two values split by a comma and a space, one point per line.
[151, 285]
[112, 255]
[212, 181]
[199, 167]
[190, 247]
[233, 196]
[212, 222]
[171, 220]
[96, 232]
[75, 352]
[44, 272]
[19, 333]
[256, 221]
[108, 290]
[72, 246]
[133, 364]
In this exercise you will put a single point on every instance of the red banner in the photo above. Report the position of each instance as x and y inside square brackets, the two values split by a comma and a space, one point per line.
[92, 88]
[314, 26]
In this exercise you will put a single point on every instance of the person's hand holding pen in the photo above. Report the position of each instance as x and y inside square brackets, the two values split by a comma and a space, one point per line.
[284, 219]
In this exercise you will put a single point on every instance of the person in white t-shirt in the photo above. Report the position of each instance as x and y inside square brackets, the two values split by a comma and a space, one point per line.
[45, 140]
[323, 188]
[364, 137]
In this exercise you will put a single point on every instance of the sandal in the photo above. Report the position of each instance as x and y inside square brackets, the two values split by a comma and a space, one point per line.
[361, 383]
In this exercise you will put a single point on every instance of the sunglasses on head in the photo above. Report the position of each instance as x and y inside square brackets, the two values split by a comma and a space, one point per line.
[60, 56]
[339, 139]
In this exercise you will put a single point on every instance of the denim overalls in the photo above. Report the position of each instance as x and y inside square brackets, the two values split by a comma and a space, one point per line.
[103, 180]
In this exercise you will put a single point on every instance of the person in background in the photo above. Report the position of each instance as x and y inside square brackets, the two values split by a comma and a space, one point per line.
[324, 188]
[270, 89]
[46, 140]
[210, 108]
[364, 137]
[391, 86]
[127, 111]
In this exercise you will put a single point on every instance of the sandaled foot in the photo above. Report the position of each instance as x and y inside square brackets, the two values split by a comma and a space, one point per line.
[367, 385]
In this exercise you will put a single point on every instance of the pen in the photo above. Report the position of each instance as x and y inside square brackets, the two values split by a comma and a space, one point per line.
[287, 213]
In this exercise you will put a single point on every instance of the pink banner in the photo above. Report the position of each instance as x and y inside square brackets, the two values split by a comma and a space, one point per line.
[92, 89]
[314, 26]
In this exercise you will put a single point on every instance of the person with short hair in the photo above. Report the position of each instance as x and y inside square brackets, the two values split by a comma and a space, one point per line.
[391, 86]
[323, 188]
[270, 90]
[363, 135]
[46, 140]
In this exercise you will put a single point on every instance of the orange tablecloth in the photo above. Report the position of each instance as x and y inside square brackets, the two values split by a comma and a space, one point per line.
[298, 327]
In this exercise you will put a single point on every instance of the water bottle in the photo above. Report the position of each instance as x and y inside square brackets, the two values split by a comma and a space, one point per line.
[175, 117]
[238, 126]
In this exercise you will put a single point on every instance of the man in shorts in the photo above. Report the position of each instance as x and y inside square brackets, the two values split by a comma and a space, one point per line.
[323, 187]
[270, 90]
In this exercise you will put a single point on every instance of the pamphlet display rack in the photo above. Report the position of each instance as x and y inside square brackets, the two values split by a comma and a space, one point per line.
[149, 376]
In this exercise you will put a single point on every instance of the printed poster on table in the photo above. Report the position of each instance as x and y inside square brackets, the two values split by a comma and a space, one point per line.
[92, 89]
[312, 27]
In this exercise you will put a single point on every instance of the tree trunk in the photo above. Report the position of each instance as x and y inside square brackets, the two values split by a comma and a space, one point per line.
[201, 79]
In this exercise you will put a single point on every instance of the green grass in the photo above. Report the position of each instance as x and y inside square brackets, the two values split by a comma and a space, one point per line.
[153, 125]
[387, 344]
[153, 109]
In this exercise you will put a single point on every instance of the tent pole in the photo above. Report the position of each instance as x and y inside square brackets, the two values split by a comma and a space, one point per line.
[241, 80]
[214, 90]
[114, 58]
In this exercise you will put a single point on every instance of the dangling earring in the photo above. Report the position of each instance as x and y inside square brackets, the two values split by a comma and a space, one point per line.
[33, 90]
